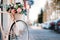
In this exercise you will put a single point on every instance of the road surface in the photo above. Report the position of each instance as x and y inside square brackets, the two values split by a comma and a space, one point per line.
[43, 34]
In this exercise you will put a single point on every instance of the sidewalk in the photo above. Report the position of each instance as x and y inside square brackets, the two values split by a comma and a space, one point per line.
[36, 27]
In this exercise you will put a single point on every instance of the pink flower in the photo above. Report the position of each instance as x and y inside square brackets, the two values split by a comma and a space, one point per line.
[19, 10]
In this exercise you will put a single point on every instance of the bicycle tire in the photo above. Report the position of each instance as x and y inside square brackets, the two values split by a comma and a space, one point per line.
[26, 26]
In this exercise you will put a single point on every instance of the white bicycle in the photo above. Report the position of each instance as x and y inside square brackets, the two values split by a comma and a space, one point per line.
[17, 31]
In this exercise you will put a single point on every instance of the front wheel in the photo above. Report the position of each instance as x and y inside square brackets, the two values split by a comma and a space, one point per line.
[18, 31]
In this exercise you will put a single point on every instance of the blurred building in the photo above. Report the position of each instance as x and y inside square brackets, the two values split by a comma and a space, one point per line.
[52, 10]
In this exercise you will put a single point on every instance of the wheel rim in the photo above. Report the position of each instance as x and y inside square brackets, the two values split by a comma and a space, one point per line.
[23, 31]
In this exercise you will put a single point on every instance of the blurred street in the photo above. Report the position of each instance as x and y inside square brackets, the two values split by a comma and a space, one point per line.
[43, 34]
[30, 19]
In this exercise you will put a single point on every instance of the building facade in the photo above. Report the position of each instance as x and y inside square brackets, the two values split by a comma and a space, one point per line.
[52, 10]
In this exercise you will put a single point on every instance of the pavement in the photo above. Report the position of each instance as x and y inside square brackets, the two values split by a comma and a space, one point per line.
[43, 34]
[38, 33]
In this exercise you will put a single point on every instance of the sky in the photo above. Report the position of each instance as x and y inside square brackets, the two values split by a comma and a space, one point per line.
[35, 9]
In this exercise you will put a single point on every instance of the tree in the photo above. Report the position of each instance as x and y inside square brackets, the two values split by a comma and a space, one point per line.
[40, 17]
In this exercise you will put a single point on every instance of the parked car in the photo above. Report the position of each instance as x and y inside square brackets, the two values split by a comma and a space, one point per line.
[57, 27]
[46, 25]
[52, 25]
